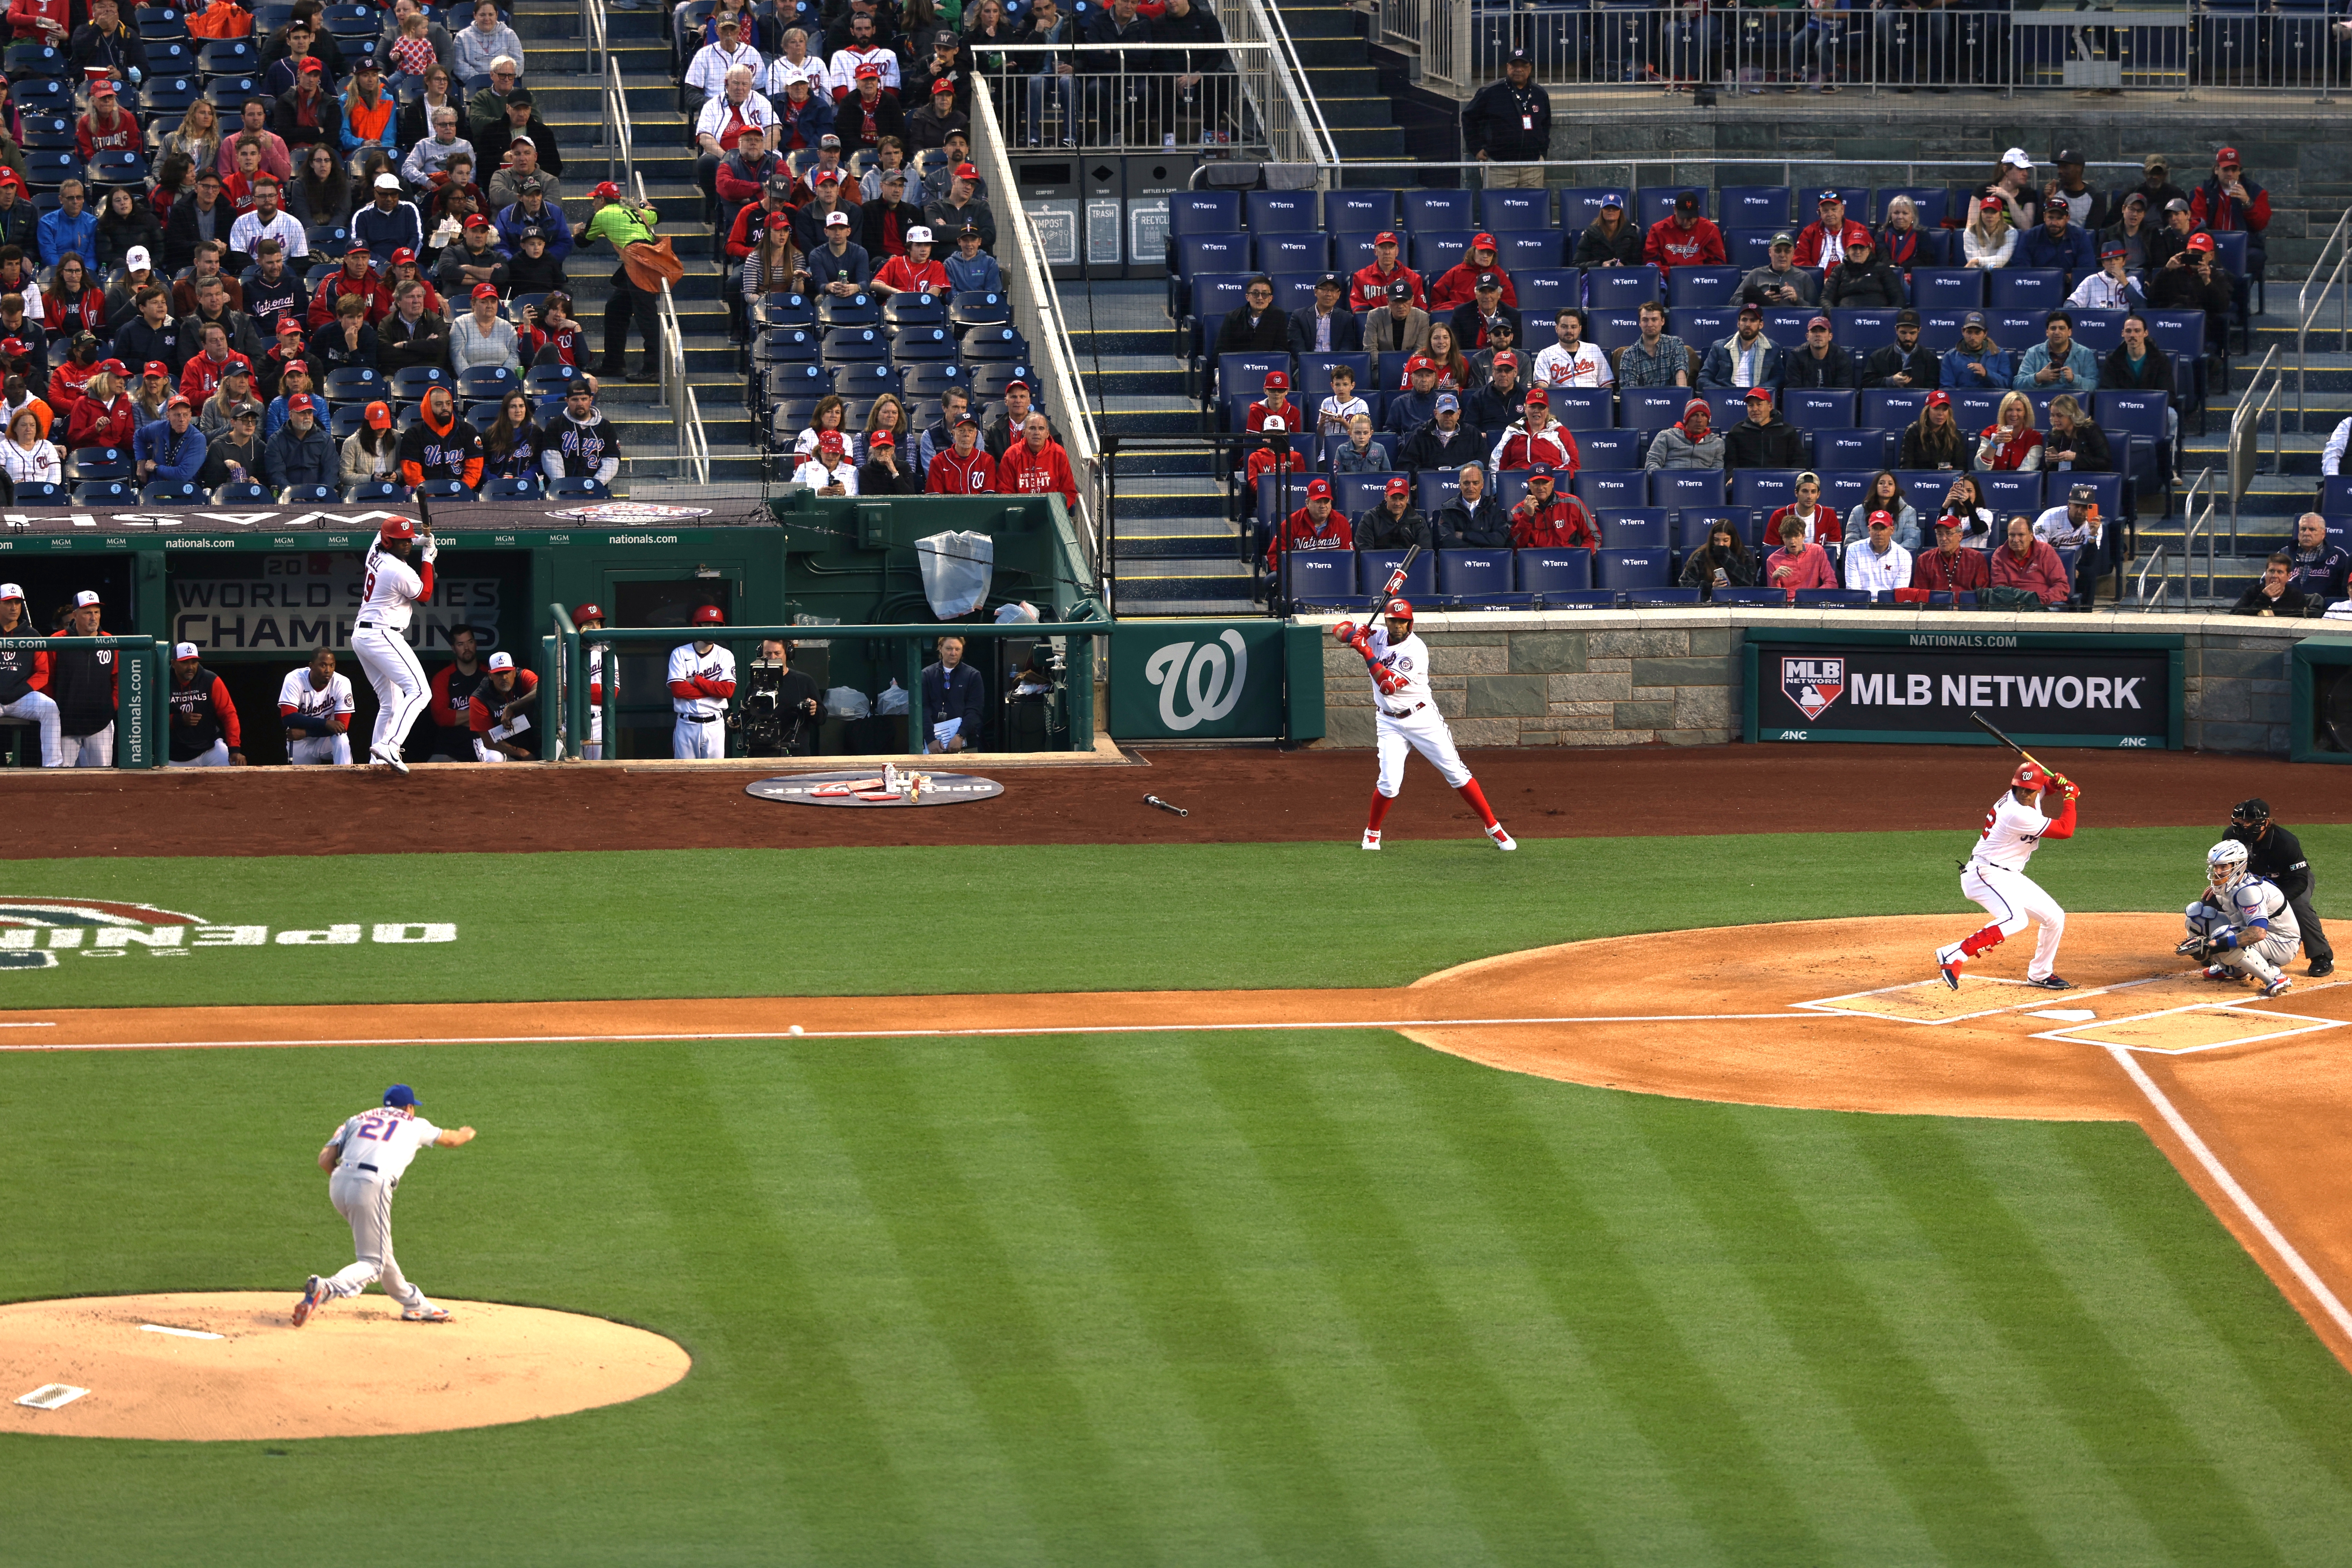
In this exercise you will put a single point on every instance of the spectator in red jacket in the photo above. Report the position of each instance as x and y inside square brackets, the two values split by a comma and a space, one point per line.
[2030, 564]
[1274, 403]
[201, 376]
[1537, 439]
[1950, 567]
[107, 127]
[1547, 519]
[1369, 290]
[1458, 284]
[1037, 466]
[1799, 562]
[2229, 201]
[965, 468]
[1684, 238]
[1315, 526]
[40, 21]
[1813, 247]
[1275, 457]
[103, 415]
[356, 278]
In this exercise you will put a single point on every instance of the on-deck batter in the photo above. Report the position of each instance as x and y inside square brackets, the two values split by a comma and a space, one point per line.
[316, 706]
[1995, 875]
[367, 1155]
[591, 618]
[380, 636]
[2243, 925]
[1405, 715]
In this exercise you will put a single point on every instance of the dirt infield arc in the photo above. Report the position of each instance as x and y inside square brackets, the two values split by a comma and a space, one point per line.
[2250, 1101]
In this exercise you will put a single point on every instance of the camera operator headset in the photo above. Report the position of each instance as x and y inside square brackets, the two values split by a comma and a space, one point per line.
[780, 705]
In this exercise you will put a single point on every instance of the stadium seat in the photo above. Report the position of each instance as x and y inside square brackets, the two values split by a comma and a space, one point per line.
[411, 383]
[1832, 598]
[1434, 489]
[1322, 579]
[1889, 407]
[923, 346]
[1948, 287]
[2110, 488]
[1623, 287]
[105, 492]
[375, 489]
[1434, 251]
[1426, 211]
[246, 494]
[1933, 202]
[1602, 450]
[1619, 570]
[1753, 207]
[1193, 212]
[171, 492]
[487, 384]
[2008, 494]
[997, 344]
[929, 381]
[868, 381]
[98, 463]
[1635, 528]
[1817, 409]
[989, 381]
[1529, 250]
[1506, 209]
[1750, 598]
[542, 380]
[1280, 211]
[1702, 326]
[1356, 494]
[1544, 292]
[1650, 408]
[1548, 571]
[1474, 575]
[1855, 449]
[848, 311]
[1579, 206]
[37, 494]
[1291, 252]
[578, 488]
[1660, 598]
[1677, 488]
[1863, 331]
[1351, 211]
[2025, 289]
[353, 384]
[1703, 287]
[1765, 489]
[1610, 489]
[1374, 568]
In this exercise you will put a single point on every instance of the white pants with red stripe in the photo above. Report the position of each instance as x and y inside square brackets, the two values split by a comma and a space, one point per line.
[401, 689]
[1423, 731]
[2014, 900]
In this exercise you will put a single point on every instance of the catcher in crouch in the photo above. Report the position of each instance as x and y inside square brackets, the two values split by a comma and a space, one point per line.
[2243, 925]
[1408, 716]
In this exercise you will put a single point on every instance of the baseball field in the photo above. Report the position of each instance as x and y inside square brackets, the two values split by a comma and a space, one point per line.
[1193, 1190]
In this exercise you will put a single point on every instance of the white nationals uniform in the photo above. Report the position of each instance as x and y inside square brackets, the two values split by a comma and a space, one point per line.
[701, 730]
[380, 637]
[308, 700]
[1409, 716]
[1995, 876]
[378, 1145]
[2251, 905]
[592, 749]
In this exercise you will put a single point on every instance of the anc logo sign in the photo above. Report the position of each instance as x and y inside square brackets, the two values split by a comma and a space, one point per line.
[1812, 684]
[35, 930]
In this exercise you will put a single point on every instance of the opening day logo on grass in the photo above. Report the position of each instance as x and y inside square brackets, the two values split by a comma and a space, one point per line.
[102, 928]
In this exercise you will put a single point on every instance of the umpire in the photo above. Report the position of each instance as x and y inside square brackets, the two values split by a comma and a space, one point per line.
[2275, 855]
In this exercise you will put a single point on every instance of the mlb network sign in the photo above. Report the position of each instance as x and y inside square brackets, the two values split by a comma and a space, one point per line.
[2056, 690]
[35, 933]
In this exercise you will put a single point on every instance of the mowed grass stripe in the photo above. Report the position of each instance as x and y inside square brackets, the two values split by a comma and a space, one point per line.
[1008, 1131]
[1008, 1355]
[2156, 1459]
[2302, 1509]
[1925, 1448]
[1113, 1167]
[1518, 1504]
[786, 1374]
[1723, 1472]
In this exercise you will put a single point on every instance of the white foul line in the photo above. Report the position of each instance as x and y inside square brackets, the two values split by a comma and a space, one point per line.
[1015, 1030]
[2237, 1194]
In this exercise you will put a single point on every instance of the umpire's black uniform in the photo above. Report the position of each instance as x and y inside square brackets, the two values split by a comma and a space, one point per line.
[2276, 855]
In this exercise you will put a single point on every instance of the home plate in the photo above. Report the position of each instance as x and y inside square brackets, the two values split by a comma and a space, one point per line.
[50, 1395]
[1930, 1001]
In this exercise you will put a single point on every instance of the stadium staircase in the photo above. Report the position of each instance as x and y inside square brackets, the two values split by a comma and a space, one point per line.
[1336, 71]
[572, 102]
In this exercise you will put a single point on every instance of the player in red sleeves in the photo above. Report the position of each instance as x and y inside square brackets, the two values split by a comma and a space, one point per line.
[1406, 718]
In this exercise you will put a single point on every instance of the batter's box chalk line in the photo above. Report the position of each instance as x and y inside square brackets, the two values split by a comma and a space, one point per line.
[1831, 1004]
[50, 1396]
[2301, 1025]
[182, 1333]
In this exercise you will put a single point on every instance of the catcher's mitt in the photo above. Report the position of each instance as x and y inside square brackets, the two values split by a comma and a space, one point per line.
[2197, 947]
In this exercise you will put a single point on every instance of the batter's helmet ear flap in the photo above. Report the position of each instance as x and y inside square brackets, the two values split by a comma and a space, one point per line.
[2029, 777]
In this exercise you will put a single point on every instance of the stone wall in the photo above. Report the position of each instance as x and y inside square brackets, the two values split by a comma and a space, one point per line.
[1674, 676]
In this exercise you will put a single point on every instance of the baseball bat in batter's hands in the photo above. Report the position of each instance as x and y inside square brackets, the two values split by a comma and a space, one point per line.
[1396, 580]
[1986, 724]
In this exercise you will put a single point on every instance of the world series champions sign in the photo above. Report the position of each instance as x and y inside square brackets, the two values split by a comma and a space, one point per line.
[2064, 688]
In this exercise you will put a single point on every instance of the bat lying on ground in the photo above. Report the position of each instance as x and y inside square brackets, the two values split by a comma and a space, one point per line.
[1155, 800]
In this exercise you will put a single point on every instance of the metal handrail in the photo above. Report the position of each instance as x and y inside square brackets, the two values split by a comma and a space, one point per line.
[2244, 448]
[2306, 308]
[593, 42]
[1309, 110]
[693, 448]
[1632, 164]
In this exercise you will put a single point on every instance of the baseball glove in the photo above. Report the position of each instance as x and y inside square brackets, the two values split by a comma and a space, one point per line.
[2197, 947]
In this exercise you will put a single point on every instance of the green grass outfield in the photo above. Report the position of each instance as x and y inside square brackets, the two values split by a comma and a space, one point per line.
[1216, 1298]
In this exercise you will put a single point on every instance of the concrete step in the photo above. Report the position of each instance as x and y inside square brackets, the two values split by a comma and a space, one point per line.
[1304, 22]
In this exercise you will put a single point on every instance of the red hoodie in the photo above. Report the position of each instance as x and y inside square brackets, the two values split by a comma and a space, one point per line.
[1458, 285]
[952, 476]
[1022, 473]
[1670, 245]
[368, 286]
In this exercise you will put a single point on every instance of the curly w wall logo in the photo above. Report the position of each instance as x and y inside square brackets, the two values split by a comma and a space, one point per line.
[35, 932]
[1202, 682]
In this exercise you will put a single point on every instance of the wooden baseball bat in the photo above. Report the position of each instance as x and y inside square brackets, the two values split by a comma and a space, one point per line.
[1987, 726]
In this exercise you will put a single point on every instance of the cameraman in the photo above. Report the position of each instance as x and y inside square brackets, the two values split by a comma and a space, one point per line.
[781, 709]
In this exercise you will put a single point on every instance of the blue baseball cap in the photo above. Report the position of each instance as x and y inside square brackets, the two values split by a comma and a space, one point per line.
[1613, 199]
[1541, 471]
[400, 1094]
[1447, 401]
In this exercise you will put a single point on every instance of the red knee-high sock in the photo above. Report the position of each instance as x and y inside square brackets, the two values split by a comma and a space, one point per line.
[1380, 805]
[1989, 937]
[1468, 790]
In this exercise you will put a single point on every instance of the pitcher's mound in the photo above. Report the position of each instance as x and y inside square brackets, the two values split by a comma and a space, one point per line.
[355, 1369]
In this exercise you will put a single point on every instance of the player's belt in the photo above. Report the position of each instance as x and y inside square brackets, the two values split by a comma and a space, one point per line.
[357, 1166]
[701, 718]
[365, 626]
[1405, 713]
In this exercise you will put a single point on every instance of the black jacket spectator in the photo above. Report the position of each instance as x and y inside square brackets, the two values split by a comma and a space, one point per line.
[1379, 529]
[1596, 246]
[1510, 124]
[958, 693]
[137, 342]
[400, 345]
[324, 118]
[1429, 449]
[1778, 445]
[1347, 331]
[876, 229]
[1920, 364]
[266, 301]
[1470, 327]
[118, 233]
[1961, 457]
[1801, 368]
[1491, 409]
[2153, 374]
[849, 123]
[1461, 526]
[874, 479]
[329, 350]
[2089, 445]
[181, 234]
[1107, 58]
[120, 51]
[1757, 287]
[2181, 288]
[1196, 27]
[1245, 331]
[1852, 287]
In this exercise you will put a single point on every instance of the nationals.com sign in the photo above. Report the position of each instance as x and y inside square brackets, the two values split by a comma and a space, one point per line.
[2051, 690]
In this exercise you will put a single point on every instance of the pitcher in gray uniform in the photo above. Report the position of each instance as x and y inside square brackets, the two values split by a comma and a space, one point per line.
[367, 1155]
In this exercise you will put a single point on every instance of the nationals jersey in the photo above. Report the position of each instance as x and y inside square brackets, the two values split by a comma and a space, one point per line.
[686, 664]
[2255, 899]
[1409, 658]
[2011, 833]
[386, 1137]
[309, 702]
[392, 589]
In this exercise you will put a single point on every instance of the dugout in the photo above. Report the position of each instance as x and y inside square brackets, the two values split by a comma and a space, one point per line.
[259, 590]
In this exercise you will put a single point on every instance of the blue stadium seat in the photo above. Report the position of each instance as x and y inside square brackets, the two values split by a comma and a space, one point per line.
[1889, 407]
[988, 308]
[2008, 494]
[1543, 294]
[1529, 250]
[1358, 493]
[1623, 287]
[923, 346]
[1832, 598]
[1634, 528]
[870, 380]
[98, 463]
[995, 345]
[1975, 407]
[1359, 212]
[1611, 490]
[1579, 206]
[1750, 598]
[446, 490]
[1473, 574]
[1439, 210]
[1702, 326]
[1502, 209]
[1436, 488]
[2101, 332]
[1704, 286]
[171, 492]
[1863, 331]
[1692, 527]
[1374, 567]
[1608, 450]
[1932, 201]
[1948, 287]
[2025, 289]
[512, 489]
[1681, 488]
[1765, 489]
[1549, 572]
[1855, 449]
[1620, 570]
[1238, 372]
[1749, 248]
[1433, 252]
[1203, 211]
[1582, 408]
[1319, 578]
[2110, 488]
[907, 309]
[1817, 409]
[1290, 250]
[376, 490]
[848, 311]
[1280, 211]
[579, 489]
[35, 494]
[1661, 598]
[1654, 206]
[1754, 206]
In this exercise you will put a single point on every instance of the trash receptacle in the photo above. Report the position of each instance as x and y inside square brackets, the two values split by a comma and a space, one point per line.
[1103, 190]
[1151, 181]
[1049, 195]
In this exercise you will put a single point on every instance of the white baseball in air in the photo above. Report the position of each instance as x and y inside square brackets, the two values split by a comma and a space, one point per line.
[796, 1028]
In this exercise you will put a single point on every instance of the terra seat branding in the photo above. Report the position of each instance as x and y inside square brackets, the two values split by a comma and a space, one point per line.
[35, 930]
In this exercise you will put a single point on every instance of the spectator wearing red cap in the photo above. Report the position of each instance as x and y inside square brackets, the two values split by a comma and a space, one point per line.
[172, 449]
[868, 113]
[2228, 203]
[1689, 443]
[1821, 362]
[962, 205]
[1275, 455]
[1458, 284]
[1861, 280]
[887, 471]
[1815, 241]
[1989, 240]
[1038, 466]
[1396, 524]
[1316, 525]
[308, 114]
[1684, 238]
[1369, 290]
[1274, 403]
[107, 126]
[1763, 439]
[1876, 563]
[2191, 280]
[303, 452]
[103, 415]
[964, 467]
[1935, 439]
[1411, 408]
[1951, 566]
[372, 452]
[287, 374]
[1001, 434]
[1551, 519]
[356, 278]
[828, 471]
[1536, 438]
[481, 337]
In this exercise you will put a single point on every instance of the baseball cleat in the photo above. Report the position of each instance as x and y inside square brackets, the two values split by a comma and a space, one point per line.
[394, 761]
[314, 1296]
[2320, 967]
[2220, 971]
[1502, 839]
[2276, 988]
[1371, 840]
[425, 1315]
[1949, 968]
[2049, 983]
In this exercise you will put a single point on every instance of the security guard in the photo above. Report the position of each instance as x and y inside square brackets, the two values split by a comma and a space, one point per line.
[2275, 855]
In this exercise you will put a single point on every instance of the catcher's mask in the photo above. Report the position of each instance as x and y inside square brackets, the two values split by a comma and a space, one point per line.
[2225, 865]
[2251, 813]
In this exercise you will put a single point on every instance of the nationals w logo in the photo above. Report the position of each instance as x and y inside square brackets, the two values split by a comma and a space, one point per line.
[1201, 679]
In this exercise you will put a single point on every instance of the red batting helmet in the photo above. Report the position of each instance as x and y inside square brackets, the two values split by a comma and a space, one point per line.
[710, 616]
[587, 613]
[1399, 610]
[2030, 775]
[399, 527]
